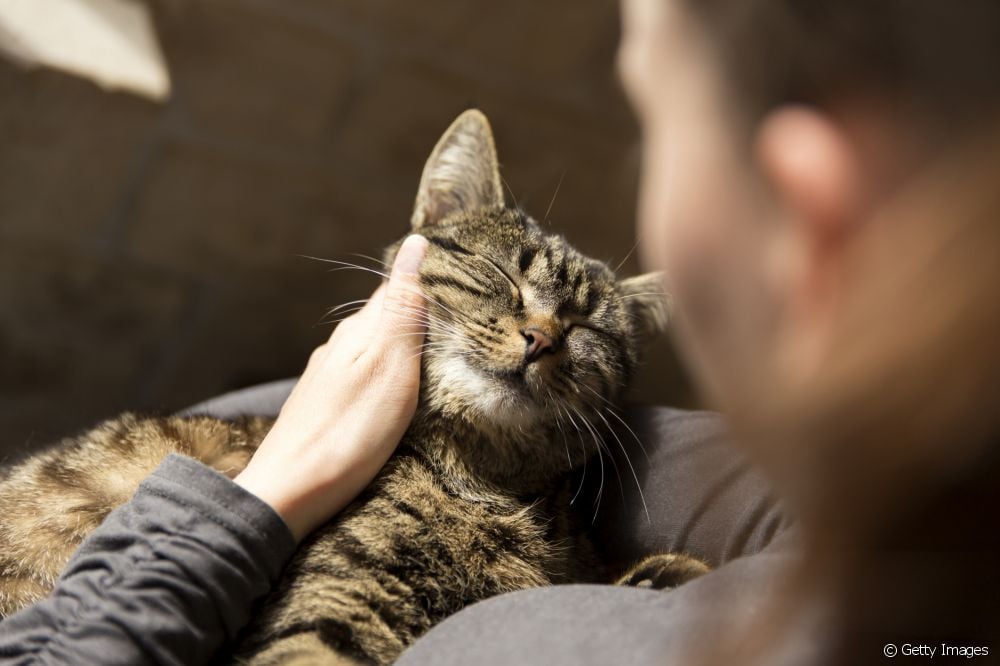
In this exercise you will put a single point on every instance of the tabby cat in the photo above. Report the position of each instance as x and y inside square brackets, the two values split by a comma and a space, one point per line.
[527, 342]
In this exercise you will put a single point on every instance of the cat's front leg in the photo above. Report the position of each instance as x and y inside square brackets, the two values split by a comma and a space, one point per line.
[302, 649]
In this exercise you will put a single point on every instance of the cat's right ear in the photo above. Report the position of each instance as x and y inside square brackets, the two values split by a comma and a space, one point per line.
[461, 174]
[647, 303]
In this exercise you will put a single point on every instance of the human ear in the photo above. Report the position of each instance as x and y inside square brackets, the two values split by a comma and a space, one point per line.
[814, 170]
[812, 167]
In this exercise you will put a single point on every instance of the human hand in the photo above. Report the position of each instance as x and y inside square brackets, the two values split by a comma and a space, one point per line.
[349, 409]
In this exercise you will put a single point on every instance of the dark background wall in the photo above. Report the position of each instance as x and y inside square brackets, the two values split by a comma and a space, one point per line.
[149, 252]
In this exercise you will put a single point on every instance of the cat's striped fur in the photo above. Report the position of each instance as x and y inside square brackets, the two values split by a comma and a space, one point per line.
[476, 500]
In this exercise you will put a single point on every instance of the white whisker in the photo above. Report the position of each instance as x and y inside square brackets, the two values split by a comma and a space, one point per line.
[622, 262]
[545, 218]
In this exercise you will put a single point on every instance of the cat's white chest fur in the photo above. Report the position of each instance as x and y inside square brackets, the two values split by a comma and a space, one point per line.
[491, 397]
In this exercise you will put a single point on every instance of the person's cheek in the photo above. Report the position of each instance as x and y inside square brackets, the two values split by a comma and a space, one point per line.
[673, 233]
[681, 234]
[655, 216]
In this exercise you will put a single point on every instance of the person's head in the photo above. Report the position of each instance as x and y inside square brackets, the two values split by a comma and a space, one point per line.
[821, 187]
[818, 186]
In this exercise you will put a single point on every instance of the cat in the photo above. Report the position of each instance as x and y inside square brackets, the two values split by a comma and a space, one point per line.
[528, 342]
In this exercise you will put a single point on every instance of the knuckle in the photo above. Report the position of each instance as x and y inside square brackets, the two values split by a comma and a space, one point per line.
[413, 298]
[369, 379]
[379, 380]
[346, 329]
[348, 323]
[318, 354]
[407, 295]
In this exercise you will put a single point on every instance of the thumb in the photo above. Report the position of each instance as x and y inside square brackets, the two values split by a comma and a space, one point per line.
[403, 317]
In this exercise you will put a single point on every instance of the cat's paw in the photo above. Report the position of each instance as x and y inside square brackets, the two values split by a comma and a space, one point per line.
[663, 572]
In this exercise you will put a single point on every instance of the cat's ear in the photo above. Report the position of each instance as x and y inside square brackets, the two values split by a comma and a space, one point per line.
[646, 302]
[461, 174]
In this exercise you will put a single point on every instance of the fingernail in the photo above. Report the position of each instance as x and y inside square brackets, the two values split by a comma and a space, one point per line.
[411, 254]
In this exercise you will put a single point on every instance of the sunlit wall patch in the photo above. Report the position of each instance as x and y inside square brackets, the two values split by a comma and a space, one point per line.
[110, 42]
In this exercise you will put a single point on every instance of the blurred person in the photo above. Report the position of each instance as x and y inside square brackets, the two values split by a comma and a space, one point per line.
[820, 186]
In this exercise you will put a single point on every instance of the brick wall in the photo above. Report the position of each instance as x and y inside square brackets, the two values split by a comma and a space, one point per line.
[149, 254]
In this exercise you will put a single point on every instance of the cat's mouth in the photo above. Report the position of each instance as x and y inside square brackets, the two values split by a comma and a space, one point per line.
[525, 381]
[504, 396]
[511, 387]
[515, 378]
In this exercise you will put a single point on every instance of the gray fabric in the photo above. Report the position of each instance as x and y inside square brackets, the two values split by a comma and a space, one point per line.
[703, 496]
[166, 579]
[597, 625]
[260, 400]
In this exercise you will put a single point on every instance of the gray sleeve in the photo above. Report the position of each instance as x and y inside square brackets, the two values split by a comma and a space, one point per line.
[166, 579]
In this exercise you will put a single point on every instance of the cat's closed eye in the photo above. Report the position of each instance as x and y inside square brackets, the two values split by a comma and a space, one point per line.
[516, 289]
[576, 324]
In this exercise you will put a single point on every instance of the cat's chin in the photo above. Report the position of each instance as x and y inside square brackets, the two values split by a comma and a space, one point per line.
[496, 398]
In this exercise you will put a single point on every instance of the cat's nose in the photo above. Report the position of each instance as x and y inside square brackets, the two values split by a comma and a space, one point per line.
[537, 343]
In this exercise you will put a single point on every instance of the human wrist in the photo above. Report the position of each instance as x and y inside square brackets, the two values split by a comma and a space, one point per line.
[309, 492]
[291, 500]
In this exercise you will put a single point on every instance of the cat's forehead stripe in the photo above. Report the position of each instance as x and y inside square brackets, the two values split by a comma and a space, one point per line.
[526, 259]
[449, 245]
[435, 280]
[562, 275]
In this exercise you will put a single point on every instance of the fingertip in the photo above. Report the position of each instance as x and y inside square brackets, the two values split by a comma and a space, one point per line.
[403, 307]
[410, 255]
[404, 284]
